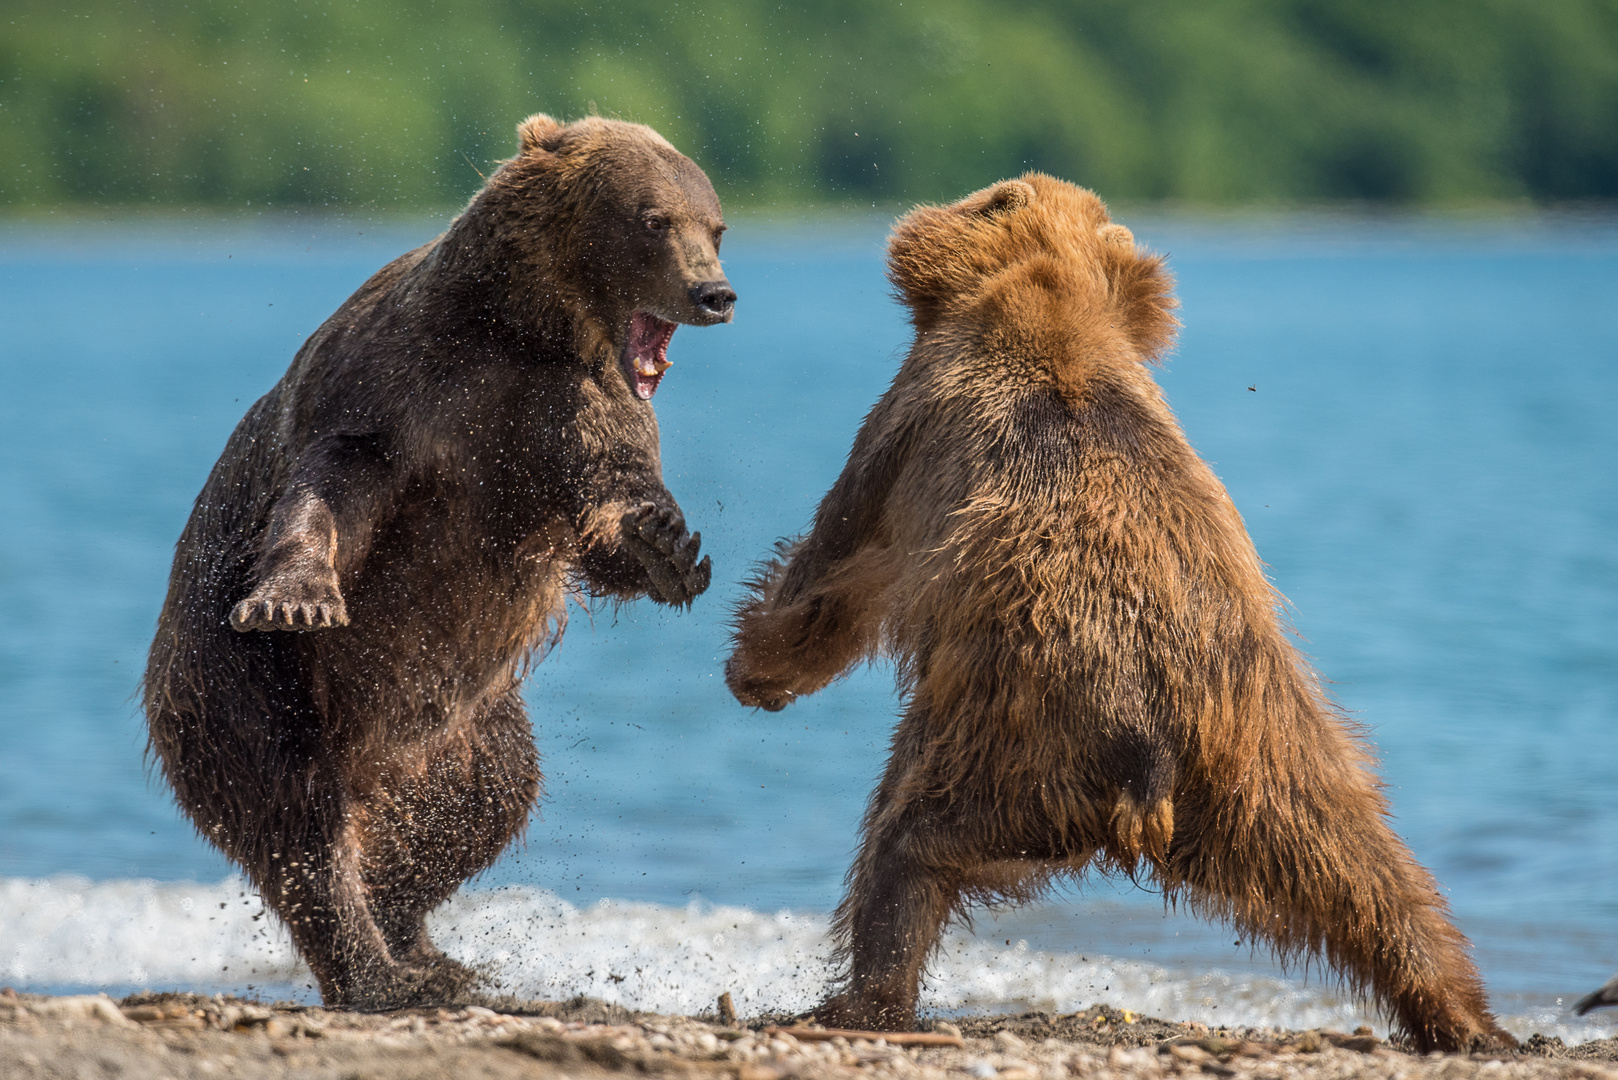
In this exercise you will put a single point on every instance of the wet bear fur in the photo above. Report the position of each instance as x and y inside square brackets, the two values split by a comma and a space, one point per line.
[391, 532]
[1094, 670]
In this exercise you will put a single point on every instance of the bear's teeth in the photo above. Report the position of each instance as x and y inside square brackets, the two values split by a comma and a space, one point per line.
[649, 367]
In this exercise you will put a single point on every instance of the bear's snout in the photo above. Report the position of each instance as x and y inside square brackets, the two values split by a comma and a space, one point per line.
[715, 299]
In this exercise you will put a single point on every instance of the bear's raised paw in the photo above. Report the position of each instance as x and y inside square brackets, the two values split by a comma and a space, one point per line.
[292, 602]
[657, 537]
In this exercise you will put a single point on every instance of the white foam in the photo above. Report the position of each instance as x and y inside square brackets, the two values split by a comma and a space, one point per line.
[72, 933]
[68, 931]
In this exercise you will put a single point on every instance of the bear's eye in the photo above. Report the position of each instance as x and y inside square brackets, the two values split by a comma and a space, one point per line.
[718, 235]
[656, 223]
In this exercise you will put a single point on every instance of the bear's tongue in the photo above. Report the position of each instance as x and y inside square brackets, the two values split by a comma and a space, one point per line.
[646, 355]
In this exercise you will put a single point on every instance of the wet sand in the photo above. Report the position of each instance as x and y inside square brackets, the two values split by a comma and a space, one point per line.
[185, 1036]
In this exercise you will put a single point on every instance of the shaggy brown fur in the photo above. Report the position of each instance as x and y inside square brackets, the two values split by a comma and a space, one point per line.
[1094, 667]
[467, 435]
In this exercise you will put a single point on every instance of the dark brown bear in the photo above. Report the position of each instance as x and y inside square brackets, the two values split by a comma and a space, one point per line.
[1095, 671]
[470, 434]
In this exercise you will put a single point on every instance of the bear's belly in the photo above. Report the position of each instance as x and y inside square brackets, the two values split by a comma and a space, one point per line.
[435, 638]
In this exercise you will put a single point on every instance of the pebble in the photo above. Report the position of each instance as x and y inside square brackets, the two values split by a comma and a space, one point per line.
[279, 1028]
[80, 1007]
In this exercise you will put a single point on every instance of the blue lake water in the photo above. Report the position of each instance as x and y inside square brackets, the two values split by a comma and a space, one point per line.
[1415, 418]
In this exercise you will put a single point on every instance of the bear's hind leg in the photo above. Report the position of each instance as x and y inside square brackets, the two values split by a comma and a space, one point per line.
[430, 827]
[313, 883]
[923, 857]
[1304, 857]
[919, 866]
[900, 895]
[258, 785]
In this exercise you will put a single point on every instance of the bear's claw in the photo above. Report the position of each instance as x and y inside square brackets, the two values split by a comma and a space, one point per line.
[291, 603]
[657, 537]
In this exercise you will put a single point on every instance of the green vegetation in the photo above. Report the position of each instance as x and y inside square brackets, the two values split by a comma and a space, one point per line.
[393, 104]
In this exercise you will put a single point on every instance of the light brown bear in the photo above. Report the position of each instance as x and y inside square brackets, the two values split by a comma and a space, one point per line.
[1094, 667]
[468, 435]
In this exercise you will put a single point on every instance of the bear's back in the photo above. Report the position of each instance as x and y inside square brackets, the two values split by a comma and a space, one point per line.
[1054, 510]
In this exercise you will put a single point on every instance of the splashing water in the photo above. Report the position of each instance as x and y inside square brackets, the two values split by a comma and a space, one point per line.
[68, 933]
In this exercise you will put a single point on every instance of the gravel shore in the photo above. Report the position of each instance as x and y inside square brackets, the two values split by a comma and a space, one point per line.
[186, 1036]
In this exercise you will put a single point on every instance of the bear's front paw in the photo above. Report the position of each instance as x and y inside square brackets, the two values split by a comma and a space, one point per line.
[289, 601]
[751, 690]
[657, 537]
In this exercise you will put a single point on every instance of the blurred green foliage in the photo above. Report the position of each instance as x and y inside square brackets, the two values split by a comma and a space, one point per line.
[397, 104]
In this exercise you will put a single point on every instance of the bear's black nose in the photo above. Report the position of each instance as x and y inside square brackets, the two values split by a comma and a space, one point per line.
[714, 298]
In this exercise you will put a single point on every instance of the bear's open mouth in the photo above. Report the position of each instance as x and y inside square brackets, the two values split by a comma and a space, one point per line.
[646, 356]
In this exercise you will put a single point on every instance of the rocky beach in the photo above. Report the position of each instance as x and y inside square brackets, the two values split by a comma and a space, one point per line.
[188, 1037]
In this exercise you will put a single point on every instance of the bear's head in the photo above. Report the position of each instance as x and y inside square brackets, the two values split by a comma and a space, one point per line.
[1036, 229]
[620, 228]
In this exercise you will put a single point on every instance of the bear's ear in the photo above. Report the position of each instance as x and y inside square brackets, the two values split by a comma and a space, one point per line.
[1142, 291]
[1005, 198]
[538, 132]
[939, 253]
[1117, 236]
